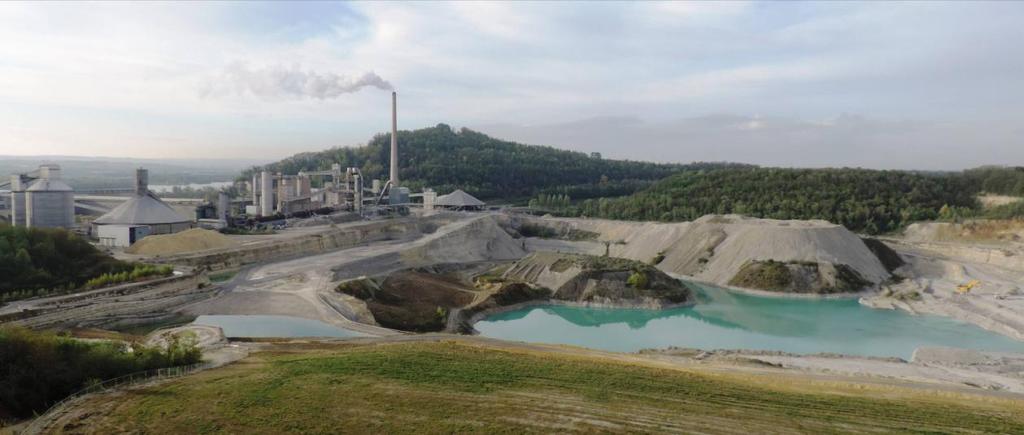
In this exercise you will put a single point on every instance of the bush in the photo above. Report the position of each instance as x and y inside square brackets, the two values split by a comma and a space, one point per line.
[637, 280]
[138, 273]
[37, 369]
[37, 261]
[533, 230]
[1013, 210]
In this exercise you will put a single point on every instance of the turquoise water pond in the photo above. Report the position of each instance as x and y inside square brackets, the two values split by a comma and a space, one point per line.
[272, 326]
[725, 319]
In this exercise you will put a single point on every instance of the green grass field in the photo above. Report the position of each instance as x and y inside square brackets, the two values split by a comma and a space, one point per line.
[460, 387]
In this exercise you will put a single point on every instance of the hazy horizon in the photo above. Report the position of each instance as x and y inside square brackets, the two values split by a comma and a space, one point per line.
[926, 86]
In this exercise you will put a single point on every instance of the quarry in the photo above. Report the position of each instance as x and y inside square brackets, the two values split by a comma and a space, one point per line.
[450, 269]
[354, 262]
[487, 276]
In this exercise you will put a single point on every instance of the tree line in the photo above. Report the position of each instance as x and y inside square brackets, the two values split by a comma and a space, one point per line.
[37, 261]
[871, 201]
[38, 369]
[580, 184]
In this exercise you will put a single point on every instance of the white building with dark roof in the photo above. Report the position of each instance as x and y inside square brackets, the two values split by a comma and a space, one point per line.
[145, 209]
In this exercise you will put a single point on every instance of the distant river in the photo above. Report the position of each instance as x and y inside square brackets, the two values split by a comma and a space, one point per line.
[170, 187]
[724, 319]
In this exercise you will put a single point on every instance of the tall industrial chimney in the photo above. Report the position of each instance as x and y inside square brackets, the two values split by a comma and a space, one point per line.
[141, 181]
[394, 140]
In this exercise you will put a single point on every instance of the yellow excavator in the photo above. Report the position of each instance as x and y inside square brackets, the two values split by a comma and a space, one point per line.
[966, 288]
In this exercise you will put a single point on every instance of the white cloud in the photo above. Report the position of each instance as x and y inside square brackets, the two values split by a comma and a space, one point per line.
[109, 70]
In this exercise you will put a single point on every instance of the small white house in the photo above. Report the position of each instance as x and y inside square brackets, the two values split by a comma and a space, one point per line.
[121, 236]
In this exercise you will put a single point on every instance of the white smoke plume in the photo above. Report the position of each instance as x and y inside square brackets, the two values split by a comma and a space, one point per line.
[279, 82]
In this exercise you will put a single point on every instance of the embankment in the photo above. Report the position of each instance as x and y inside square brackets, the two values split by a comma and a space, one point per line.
[282, 247]
[116, 307]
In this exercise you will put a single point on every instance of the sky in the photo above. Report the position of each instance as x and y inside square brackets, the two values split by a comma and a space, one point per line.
[892, 85]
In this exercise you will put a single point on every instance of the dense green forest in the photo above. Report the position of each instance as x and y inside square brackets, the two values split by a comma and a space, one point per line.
[38, 369]
[999, 180]
[35, 260]
[489, 168]
[861, 199]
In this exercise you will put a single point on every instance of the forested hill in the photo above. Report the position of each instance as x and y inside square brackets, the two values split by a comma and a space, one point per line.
[490, 168]
[865, 200]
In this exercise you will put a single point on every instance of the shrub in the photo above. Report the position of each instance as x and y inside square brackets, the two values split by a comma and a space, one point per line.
[637, 280]
[138, 273]
[541, 231]
[37, 369]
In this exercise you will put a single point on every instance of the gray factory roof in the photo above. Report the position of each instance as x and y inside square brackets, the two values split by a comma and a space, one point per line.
[142, 210]
[45, 185]
[458, 198]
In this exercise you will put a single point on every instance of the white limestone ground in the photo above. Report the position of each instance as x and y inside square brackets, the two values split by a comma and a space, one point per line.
[304, 287]
[933, 273]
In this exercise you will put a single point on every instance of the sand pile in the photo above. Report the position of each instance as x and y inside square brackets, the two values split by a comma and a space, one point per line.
[471, 240]
[715, 248]
[192, 240]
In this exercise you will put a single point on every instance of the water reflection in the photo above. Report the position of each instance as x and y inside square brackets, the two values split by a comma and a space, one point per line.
[724, 319]
[715, 306]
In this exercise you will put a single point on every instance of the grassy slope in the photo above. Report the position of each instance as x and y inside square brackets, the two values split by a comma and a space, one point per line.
[461, 386]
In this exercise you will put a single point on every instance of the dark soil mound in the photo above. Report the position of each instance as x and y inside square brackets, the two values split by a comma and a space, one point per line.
[889, 258]
[411, 300]
[799, 277]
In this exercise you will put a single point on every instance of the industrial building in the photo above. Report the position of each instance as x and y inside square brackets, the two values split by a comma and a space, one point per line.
[273, 194]
[40, 199]
[143, 209]
[121, 236]
[288, 194]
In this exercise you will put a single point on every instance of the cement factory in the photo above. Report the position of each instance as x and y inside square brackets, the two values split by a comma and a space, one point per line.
[121, 217]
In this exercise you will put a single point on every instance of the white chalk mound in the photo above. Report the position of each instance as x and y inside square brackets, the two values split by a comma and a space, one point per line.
[714, 248]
